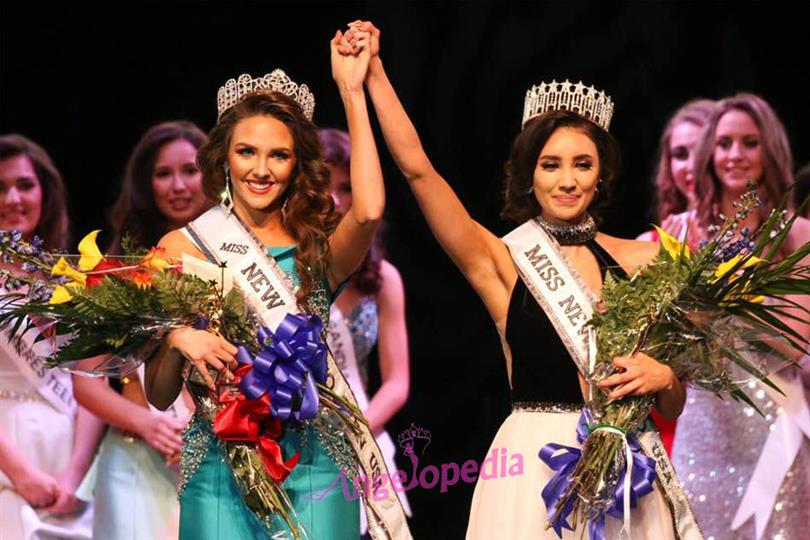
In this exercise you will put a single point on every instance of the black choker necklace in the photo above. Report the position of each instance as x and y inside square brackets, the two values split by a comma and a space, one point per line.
[567, 235]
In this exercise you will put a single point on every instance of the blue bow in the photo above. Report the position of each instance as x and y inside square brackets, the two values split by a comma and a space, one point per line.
[563, 460]
[292, 360]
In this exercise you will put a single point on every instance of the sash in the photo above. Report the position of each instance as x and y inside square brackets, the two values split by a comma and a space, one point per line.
[271, 294]
[783, 444]
[341, 346]
[54, 385]
[568, 303]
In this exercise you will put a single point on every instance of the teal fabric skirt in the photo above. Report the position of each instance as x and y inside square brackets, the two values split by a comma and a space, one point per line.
[211, 506]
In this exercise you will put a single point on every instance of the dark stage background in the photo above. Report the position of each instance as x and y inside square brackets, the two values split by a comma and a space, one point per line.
[86, 79]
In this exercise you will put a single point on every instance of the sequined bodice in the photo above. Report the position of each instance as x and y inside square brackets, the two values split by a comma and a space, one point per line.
[364, 325]
[542, 368]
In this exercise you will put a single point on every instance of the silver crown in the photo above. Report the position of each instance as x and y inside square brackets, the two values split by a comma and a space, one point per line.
[234, 90]
[587, 101]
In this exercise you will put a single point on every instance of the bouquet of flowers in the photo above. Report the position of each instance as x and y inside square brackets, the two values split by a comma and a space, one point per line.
[122, 306]
[703, 314]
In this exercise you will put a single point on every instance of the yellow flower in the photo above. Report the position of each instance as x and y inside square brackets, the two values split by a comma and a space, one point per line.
[725, 268]
[671, 245]
[63, 269]
[90, 254]
[62, 294]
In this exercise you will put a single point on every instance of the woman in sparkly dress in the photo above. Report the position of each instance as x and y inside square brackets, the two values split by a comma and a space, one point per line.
[265, 154]
[559, 162]
[747, 476]
[370, 311]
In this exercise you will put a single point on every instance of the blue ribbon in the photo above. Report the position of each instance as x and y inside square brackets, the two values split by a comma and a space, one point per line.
[292, 360]
[563, 460]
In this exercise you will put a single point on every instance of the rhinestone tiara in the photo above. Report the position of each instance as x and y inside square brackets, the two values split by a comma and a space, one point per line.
[234, 90]
[587, 101]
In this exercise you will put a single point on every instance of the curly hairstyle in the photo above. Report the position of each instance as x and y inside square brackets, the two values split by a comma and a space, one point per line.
[53, 227]
[337, 152]
[310, 215]
[134, 212]
[777, 159]
[520, 203]
[669, 198]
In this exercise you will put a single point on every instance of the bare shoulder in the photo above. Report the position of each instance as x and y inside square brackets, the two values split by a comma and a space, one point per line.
[629, 253]
[177, 244]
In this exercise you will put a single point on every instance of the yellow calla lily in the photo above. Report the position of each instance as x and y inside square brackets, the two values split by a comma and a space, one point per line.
[672, 245]
[62, 294]
[725, 268]
[90, 254]
[63, 269]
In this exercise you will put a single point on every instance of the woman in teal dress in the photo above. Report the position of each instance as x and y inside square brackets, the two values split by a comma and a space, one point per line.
[263, 157]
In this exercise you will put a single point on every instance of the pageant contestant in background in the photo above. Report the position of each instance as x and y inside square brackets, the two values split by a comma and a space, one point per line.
[135, 487]
[559, 162]
[675, 176]
[369, 310]
[675, 192]
[47, 442]
[747, 476]
[265, 155]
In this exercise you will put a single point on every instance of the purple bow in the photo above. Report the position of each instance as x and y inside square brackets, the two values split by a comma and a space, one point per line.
[288, 367]
[563, 460]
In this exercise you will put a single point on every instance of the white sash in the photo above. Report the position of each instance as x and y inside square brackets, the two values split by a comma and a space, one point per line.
[341, 346]
[270, 293]
[568, 303]
[783, 444]
[54, 385]
[565, 299]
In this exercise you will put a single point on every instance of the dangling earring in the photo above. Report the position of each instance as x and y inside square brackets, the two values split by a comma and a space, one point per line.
[598, 185]
[284, 209]
[530, 191]
[227, 196]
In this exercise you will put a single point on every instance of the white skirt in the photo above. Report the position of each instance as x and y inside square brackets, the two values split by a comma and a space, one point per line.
[45, 437]
[510, 506]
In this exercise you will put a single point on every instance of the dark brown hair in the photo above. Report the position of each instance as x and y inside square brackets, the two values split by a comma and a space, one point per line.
[53, 226]
[310, 215]
[669, 198]
[777, 160]
[135, 213]
[337, 152]
[520, 204]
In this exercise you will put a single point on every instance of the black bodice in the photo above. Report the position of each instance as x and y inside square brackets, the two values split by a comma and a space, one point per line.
[542, 368]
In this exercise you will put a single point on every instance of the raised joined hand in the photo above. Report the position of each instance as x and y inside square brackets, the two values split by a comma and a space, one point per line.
[350, 58]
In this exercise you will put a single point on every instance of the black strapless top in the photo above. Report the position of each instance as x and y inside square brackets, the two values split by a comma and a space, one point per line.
[542, 368]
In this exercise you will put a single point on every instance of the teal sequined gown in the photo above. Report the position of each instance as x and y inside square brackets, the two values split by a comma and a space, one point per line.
[211, 506]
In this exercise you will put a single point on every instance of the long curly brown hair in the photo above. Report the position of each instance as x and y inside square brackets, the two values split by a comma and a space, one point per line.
[309, 215]
[520, 203]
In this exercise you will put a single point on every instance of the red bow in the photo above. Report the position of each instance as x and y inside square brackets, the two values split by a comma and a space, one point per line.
[249, 421]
